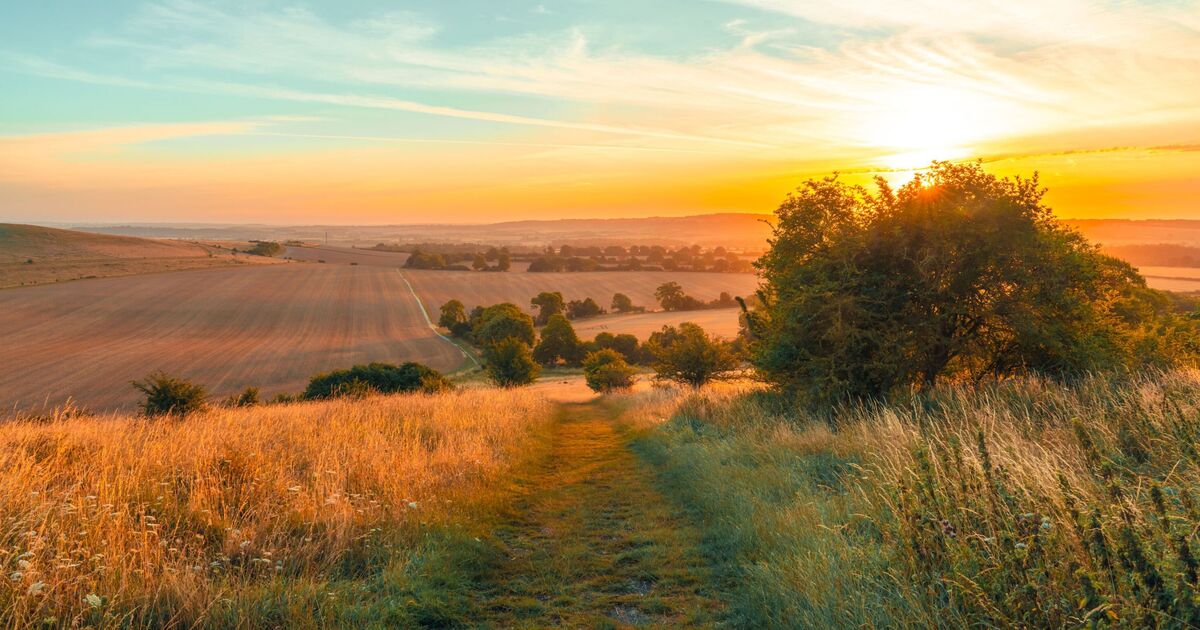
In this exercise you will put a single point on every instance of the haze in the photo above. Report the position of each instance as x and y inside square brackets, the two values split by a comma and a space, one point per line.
[383, 112]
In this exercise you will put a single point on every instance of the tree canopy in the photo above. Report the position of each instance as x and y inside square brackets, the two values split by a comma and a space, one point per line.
[958, 273]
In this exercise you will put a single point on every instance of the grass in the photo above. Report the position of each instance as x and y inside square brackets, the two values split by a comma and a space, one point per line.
[343, 513]
[1024, 503]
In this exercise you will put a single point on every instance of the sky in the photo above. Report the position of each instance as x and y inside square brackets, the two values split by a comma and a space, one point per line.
[359, 112]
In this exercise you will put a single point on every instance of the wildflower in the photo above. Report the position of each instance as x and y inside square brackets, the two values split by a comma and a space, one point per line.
[24, 564]
[93, 600]
[1020, 545]
[36, 588]
[16, 576]
[412, 505]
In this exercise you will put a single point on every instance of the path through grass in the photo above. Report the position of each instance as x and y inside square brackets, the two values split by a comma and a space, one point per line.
[591, 544]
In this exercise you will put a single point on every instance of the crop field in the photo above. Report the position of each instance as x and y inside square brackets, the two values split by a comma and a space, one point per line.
[346, 255]
[271, 326]
[1172, 278]
[482, 289]
[719, 321]
[32, 255]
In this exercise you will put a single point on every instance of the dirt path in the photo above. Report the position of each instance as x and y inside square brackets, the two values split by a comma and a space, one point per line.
[592, 544]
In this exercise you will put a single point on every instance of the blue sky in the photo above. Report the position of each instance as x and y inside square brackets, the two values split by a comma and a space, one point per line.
[408, 111]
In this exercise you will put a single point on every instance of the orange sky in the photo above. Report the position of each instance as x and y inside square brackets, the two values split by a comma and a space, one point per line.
[176, 111]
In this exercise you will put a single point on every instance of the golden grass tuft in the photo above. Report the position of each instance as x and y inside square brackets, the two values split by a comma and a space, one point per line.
[120, 520]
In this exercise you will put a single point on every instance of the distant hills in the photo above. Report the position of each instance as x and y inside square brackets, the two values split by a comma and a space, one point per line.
[746, 231]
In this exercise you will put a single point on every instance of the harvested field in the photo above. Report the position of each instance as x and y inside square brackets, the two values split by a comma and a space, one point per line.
[32, 255]
[1172, 278]
[346, 255]
[719, 321]
[482, 289]
[272, 327]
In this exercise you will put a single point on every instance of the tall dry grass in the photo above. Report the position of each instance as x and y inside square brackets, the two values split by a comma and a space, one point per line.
[244, 516]
[1018, 504]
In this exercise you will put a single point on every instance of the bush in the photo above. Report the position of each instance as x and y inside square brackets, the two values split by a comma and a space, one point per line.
[549, 304]
[606, 370]
[510, 363]
[688, 355]
[383, 378]
[265, 248]
[169, 396]
[247, 398]
[580, 309]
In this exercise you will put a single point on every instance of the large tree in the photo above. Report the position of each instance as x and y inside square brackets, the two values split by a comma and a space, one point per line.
[503, 321]
[548, 304]
[956, 274]
[558, 343]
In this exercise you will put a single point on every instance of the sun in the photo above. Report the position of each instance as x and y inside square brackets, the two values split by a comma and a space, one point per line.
[917, 125]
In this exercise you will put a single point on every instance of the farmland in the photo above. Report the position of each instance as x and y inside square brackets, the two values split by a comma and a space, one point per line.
[720, 321]
[32, 255]
[1181, 279]
[346, 255]
[482, 289]
[271, 326]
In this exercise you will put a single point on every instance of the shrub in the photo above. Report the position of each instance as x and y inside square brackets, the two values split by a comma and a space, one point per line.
[247, 398]
[510, 363]
[383, 378]
[558, 343]
[606, 370]
[170, 396]
[688, 355]
[265, 248]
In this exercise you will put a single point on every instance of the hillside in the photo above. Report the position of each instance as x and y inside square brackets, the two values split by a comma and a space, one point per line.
[31, 255]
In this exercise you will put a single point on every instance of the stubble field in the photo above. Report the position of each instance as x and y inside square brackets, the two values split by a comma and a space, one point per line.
[272, 327]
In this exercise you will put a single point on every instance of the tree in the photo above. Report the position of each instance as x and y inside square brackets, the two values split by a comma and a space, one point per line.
[688, 355]
[958, 274]
[625, 344]
[479, 263]
[382, 378]
[452, 313]
[606, 370]
[169, 396]
[558, 343]
[587, 307]
[505, 260]
[510, 364]
[424, 260]
[668, 295]
[503, 321]
[621, 303]
[548, 304]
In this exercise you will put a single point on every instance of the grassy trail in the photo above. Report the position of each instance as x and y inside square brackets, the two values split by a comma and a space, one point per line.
[590, 542]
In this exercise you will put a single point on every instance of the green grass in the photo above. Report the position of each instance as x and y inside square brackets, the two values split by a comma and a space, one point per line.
[1018, 504]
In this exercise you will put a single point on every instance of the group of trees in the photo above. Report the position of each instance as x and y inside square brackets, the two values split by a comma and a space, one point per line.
[671, 297]
[490, 260]
[639, 258]
[515, 350]
[958, 275]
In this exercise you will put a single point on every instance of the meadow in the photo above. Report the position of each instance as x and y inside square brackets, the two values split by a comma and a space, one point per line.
[347, 512]
[1025, 503]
